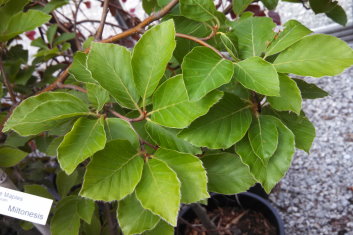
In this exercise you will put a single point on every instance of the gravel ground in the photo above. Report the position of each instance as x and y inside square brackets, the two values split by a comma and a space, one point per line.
[316, 195]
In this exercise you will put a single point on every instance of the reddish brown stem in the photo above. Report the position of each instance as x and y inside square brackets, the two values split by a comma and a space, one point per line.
[138, 119]
[72, 87]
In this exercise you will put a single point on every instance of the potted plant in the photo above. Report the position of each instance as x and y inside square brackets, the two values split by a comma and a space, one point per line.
[120, 137]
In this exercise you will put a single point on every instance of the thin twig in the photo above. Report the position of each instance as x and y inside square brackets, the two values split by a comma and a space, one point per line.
[7, 82]
[72, 87]
[103, 19]
[98, 21]
[199, 41]
[212, 34]
[138, 119]
[78, 45]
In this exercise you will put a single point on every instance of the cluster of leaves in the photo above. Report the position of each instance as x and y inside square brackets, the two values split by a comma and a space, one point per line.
[220, 118]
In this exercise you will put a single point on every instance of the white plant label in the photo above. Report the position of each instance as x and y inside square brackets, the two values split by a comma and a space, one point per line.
[24, 206]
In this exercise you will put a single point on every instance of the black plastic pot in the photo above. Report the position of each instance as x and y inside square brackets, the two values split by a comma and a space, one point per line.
[246, 200]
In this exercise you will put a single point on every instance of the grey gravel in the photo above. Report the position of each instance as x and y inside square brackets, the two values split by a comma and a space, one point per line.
[316, 195]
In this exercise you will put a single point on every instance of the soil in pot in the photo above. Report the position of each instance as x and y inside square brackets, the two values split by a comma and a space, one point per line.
[234, 221]
[241, 214]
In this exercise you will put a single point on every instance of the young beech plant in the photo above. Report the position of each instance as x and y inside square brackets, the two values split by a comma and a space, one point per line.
[200, 104]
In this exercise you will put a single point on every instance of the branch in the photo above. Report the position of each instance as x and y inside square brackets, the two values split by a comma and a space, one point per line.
[97, 21]
[199, 41]
[138, 119]
[156, 16]
[7, 83]
[72, 87]
[103, 19]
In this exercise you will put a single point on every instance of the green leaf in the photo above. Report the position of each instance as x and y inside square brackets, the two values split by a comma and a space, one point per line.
[10, 9]
[10, 156]
[162, 228]
[240, 5]
[32, 117]
[258, 75]
[15, 140]
[338, 15]
[117, 128]
[51, 33]
[203, 76]
[270, 4]
[263, 136]
[87, 44]
[79, 69]
[322, 6]
[159, 190]
[225, 124]
[133, 218]
[253, 33]
[190, 172]
[190, 27]
[151, 56]
[167, 138]
[293, 32]
[277, 165]
[113, 172]
[86, 137]
[302, 128]
[22, 22]
[53, 146]
[65, 182]
[63, 38]
[68, 212]
[93, 228]
[317, 55]
[227, 174]
[97, 95]
[290, 98]
[309, 90]
[229, 46]
[199, 10]
[110, 65]
[176, 110]
[53, 4]
[38, 190]
[149, 5]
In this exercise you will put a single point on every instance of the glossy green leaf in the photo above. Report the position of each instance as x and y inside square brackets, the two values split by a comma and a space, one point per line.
[117, 128]
[68, 212]
[302, 128]
[190, 172]
[97, 95]
[38, 190]
[10, 156]
[32, 116]
[225, 124]
[190, 27]
[86, 137]
[176, 110]
[79, 70]
[253, 33]
[203, 76]
[159, 190]
[263, 136]
[290, 98]
[240, 5]
[113, 172]
[51, 31]
[309, 90]
[65, 182]
[199, 10]
[277, 165]
[270, 4]
[133, 218]
[162, 228]
[151, 56]
[22, 22]
[10, 9]
[167, 138]
[322, 6]
[258, 75]
[63, 38]
[317, 55]
[227, 174]
[293, 32]
[110, 65]
[338, 15]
